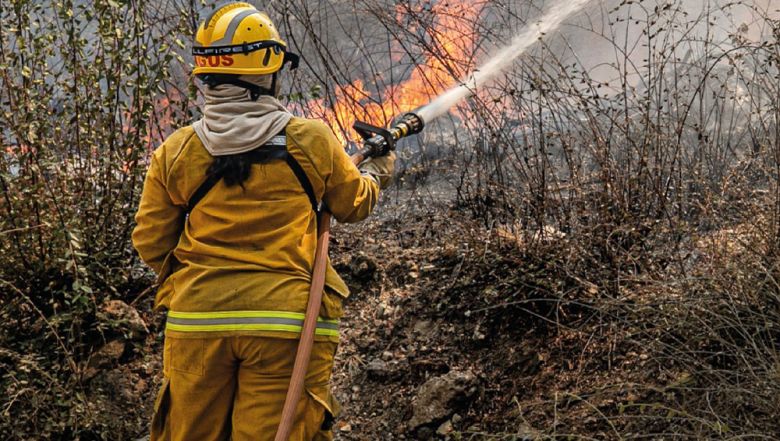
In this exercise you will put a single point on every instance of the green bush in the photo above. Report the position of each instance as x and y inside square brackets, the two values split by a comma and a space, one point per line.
[84, 99]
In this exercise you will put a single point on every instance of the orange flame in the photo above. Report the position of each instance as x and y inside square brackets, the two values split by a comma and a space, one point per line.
[449, 57]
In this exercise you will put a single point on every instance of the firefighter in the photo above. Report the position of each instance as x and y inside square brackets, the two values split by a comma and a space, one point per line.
[228, 221]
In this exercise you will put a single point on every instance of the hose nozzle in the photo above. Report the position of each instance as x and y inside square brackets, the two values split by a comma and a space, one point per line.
[378, 141]
[410, 124]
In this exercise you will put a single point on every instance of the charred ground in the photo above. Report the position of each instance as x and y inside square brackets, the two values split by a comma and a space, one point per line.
[460, 330]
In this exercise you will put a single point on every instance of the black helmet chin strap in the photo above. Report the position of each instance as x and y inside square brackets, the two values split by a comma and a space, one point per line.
[255, 91]
[274, 77]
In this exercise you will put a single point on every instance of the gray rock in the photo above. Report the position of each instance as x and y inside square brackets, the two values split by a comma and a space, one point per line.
[423, 328]
[378, 368]
[456, 419]
[435, 399]
[381, 368]
[445, 428]
[127, 316]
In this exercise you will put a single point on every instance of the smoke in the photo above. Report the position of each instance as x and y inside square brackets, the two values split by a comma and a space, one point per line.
[610, 40]
[612, 36]
[502, 60]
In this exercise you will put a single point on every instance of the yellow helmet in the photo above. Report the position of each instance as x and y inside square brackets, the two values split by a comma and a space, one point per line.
[239, 39]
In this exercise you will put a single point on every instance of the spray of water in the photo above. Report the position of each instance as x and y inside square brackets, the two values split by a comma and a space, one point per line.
[502, 60]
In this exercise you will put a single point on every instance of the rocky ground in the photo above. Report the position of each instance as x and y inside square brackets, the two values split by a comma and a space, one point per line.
[443, 338]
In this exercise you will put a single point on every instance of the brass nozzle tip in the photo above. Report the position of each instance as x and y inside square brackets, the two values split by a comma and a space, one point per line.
[414, 122]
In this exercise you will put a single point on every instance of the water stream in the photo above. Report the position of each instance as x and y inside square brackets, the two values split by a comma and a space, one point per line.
[502, 60]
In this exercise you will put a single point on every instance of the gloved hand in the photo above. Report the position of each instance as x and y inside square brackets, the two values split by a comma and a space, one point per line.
[380, 169]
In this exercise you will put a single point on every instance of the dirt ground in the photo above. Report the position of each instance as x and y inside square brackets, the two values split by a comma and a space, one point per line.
[442, 339]
[455, 331]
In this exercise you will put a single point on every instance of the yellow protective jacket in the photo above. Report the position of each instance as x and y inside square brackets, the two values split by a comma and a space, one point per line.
[240, 263]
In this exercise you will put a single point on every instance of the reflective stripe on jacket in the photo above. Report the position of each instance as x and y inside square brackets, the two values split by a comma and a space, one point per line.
[245, 249]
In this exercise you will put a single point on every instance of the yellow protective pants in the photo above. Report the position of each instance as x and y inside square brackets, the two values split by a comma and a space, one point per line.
[233, 388]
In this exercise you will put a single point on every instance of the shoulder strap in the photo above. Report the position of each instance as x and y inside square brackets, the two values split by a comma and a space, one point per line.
[303, 178]
[281, 141]
[204, 188]
[276, 148]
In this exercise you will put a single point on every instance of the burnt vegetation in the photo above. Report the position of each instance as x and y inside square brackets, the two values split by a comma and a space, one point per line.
[588, 248]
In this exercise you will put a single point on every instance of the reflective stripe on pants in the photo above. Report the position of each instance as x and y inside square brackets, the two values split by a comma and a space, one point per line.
[222, 321]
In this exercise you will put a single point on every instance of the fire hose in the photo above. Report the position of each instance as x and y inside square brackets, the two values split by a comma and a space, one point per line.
[377, 141]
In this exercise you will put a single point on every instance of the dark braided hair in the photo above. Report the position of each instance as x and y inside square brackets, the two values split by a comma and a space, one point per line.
[235, 169]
